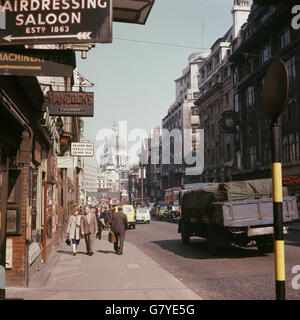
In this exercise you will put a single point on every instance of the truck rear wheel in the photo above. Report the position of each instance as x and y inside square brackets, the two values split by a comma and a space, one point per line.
[184, 237]
[265, 244]
[212, 248]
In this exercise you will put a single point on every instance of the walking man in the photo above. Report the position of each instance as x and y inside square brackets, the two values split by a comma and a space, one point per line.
[89, 229]
[118, 225]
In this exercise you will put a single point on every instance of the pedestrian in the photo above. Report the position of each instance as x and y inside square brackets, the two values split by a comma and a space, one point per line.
[106, 215]
[101, 224]
[89, 229]
[73, 230]
[118, 226]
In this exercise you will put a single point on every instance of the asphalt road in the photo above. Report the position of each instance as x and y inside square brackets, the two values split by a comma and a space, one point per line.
[234, 274]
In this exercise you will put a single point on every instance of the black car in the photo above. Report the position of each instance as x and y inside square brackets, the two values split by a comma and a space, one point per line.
[173, 215]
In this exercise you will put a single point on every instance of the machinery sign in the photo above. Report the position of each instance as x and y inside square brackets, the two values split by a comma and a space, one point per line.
[55, 21]
[82, 149]
[36, 62]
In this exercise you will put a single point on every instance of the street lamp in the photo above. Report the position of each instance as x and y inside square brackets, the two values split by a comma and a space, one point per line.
[132, 11]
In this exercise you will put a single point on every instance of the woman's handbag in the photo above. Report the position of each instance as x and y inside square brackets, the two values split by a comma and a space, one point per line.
[111, 237]
[68, 241]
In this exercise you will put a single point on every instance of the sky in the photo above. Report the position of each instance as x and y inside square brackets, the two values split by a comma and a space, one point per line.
[133, 80]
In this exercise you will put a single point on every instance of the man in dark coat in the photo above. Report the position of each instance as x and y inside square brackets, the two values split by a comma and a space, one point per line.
[118, 226]
[106, 216]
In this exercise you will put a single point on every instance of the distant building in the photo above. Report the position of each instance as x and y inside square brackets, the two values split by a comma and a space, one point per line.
[180, 117]
[152, 178]
[215, 104]
[90, 178]
[114, 166]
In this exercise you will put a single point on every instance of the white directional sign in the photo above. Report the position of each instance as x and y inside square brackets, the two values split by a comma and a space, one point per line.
[82, 149]
[55, 21]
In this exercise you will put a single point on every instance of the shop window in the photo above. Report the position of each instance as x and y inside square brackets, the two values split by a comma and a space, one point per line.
[13, 222]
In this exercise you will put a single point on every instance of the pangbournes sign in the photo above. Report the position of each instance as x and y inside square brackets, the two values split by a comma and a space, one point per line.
[55, 21]
[69, 103]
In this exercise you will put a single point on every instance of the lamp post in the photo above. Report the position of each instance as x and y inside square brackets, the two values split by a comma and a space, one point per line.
[275, 93]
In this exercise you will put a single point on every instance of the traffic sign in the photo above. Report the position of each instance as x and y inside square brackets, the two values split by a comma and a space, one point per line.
[82, 149]
[275, 90]
[55, 22]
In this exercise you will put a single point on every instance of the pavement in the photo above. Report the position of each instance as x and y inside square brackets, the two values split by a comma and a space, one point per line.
[103, 276]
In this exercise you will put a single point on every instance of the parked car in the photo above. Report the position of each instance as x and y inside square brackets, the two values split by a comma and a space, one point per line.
[143, 215]
[162, 211]
[153, 210]
[173, 214]
[130, 213]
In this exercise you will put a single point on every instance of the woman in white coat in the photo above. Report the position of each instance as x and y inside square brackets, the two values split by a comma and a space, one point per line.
[73, 230]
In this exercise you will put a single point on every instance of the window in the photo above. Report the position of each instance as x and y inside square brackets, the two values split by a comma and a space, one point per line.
[290, 64]
[250, 157]
[236, 103]
[226, 100]
[249, 131]
[250, 66]
[285, 37]
[291, 147]
[290, 111]
[267, 154]
[209, 67]
[237, 133]
[194, 128]
[235, 76]
[212, 156]
[195, 111]
[249, 96]
[266, 53]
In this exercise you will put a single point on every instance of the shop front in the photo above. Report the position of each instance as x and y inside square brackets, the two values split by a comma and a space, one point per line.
[20, 105]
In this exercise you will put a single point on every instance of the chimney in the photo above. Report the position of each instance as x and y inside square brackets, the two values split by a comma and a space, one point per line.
[240, 13]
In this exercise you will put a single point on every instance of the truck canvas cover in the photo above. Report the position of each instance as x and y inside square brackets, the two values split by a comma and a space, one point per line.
[247, 190]
[196, 202]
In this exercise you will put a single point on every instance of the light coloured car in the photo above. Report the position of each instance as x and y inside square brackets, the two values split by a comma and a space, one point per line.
[143, 215]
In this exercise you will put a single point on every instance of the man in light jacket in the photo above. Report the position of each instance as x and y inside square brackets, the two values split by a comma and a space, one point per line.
[89, 229]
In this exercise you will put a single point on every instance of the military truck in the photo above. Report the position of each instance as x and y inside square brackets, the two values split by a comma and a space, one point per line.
[233, 213]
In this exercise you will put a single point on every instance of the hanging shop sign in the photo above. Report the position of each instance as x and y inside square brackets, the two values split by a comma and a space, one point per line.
[82, 149]
[69, 103]
[35, 62]
[65, 162]
[55, 21]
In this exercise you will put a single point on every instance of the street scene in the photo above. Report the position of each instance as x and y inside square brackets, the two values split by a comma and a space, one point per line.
[149, 150]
